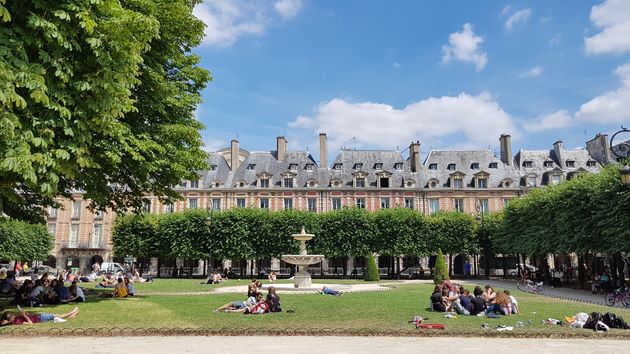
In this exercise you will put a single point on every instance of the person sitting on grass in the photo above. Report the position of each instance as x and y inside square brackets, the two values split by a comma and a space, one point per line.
[328, 291]
[466, 300]
[273, 300]
[130, 289]
[437, 301]
[28, 319]
[489, 295]
[453, 299]
[120, 290]
[252, 288]
[76, 293]
[62, 293]
[272, 277]
[513, 303]
[478, 302]
[238, 306]
[107, 282]
[501, 304]
[23, 294]
[259, 308]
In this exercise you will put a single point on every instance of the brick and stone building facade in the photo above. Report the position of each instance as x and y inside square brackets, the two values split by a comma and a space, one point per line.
[469, 181]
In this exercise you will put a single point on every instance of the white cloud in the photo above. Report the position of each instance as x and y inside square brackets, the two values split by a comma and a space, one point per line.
[288, 8]
[479, 118]
[465, 46]
[505, 10]
[302, 122]
[517, 17]
[612, 106]
[227, 20]
[533, 72]
[557, 120]
[613, 17]
[555, 40]
[213, 144]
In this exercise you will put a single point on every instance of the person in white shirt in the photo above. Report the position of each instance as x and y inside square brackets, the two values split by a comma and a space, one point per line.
[513, 303]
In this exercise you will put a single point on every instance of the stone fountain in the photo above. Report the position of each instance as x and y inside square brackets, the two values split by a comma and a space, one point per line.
[302, 278]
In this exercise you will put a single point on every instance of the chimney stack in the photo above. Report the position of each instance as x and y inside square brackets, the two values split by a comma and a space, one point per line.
[234, 150]
[558, 148]
[281, 147]
[505, 142]
[599, 148]
[323, 150]
[414, 156]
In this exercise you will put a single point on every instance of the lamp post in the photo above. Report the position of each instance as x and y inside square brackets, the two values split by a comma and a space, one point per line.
[622, 152]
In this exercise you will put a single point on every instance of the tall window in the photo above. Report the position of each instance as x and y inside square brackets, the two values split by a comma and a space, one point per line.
[52, 229]
[531, 181]
[434, 206]
[459, 205]
[193, 203]
[555, 179]
[336, 203]
[169, 208]
[458, 183]
[76, 209]
[147, 206]
[361, 203]
[53, 212]
[240, 202]
[216, 204]
[288, 203]
[483, 206]
[194, 184]
[506, 202]
[360, 182]
[482, 182]
[410, 203]
[312, 204]
[264, 182]
[384, 203]
[74, 235]
[288, 182]
[264, 203]
[96, 235]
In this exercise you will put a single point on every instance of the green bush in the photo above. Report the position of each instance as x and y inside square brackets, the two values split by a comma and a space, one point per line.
[371, 271]
[441, 273]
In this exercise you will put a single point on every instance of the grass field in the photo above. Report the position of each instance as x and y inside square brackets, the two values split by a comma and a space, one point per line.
[380, 311]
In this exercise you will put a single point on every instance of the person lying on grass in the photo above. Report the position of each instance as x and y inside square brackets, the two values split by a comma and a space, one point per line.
[28, 319]
[238, 306]
[328, 291]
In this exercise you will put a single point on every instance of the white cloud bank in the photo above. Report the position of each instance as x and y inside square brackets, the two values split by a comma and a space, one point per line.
[479, 118]
[609, 107]
[465, 46]
[518, 17]
[228, 20]
[613, 17]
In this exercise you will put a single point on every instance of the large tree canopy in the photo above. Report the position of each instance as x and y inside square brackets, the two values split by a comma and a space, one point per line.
[99, 96]
[24, 242]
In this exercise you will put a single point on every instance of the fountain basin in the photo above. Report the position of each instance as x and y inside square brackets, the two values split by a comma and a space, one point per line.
[302, 260]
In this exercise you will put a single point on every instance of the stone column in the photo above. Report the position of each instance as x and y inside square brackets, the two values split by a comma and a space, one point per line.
[349, 265]
[275, 265]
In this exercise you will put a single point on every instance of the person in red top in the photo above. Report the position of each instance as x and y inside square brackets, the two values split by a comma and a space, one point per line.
[24, 318]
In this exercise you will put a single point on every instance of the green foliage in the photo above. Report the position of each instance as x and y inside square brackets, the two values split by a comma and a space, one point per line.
[185, 235]
[586, 214]
[345, 232]
[441, 272]
[98, 96]
[136, 235]
[371, 269]
[453, 232]
[23, 241]
[400, 231]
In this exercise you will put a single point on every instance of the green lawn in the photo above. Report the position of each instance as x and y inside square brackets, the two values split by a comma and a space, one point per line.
[382, 311]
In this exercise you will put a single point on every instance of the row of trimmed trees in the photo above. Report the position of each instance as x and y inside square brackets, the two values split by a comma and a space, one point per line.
[21, 241]
[246, 233]
[588, 215]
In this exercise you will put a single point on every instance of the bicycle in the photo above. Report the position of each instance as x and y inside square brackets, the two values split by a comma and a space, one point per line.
[618, 296]
[530, 287]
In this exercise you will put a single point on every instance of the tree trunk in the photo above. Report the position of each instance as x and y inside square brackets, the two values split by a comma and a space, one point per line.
[450, 265]
[159, 265]
[620, 266]
[504, 267]
[581, 272]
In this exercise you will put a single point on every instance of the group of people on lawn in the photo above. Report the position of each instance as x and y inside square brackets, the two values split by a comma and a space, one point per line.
[255, 303]
[47, 291]
[447, 297]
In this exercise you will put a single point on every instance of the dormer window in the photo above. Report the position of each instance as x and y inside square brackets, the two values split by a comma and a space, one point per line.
[433, 166]
[433, 183]
[336, 183]
[548, 164]
[591, 163]
[309, 167]
[183, 184]
[493, 165]
[293, 167]
[474, 166]
[457, 181]
[531, 181]
[482, 181]
[570, 163]
[506, 183]
[337, 166]
[359, 182]
[378, 166]
[451, 167]
[263, 182]
[311, 184]
[217, 184]
[194, 184]
[240, 184]
[213, 167]
[398, 166]
[383, 179]
[555, 179]
[251, 166]
[527, 164]
[288, 182]
[358, 166]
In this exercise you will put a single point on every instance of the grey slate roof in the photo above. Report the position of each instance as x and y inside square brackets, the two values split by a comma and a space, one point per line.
[463, 161]
[388, 159]
[580, 157]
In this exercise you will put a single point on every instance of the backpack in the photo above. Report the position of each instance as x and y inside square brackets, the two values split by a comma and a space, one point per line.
[593, 318]
[260, 308]
[609, 319]
[620, 323]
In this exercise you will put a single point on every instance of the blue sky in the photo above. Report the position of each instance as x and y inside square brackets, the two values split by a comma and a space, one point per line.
[379, 74]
